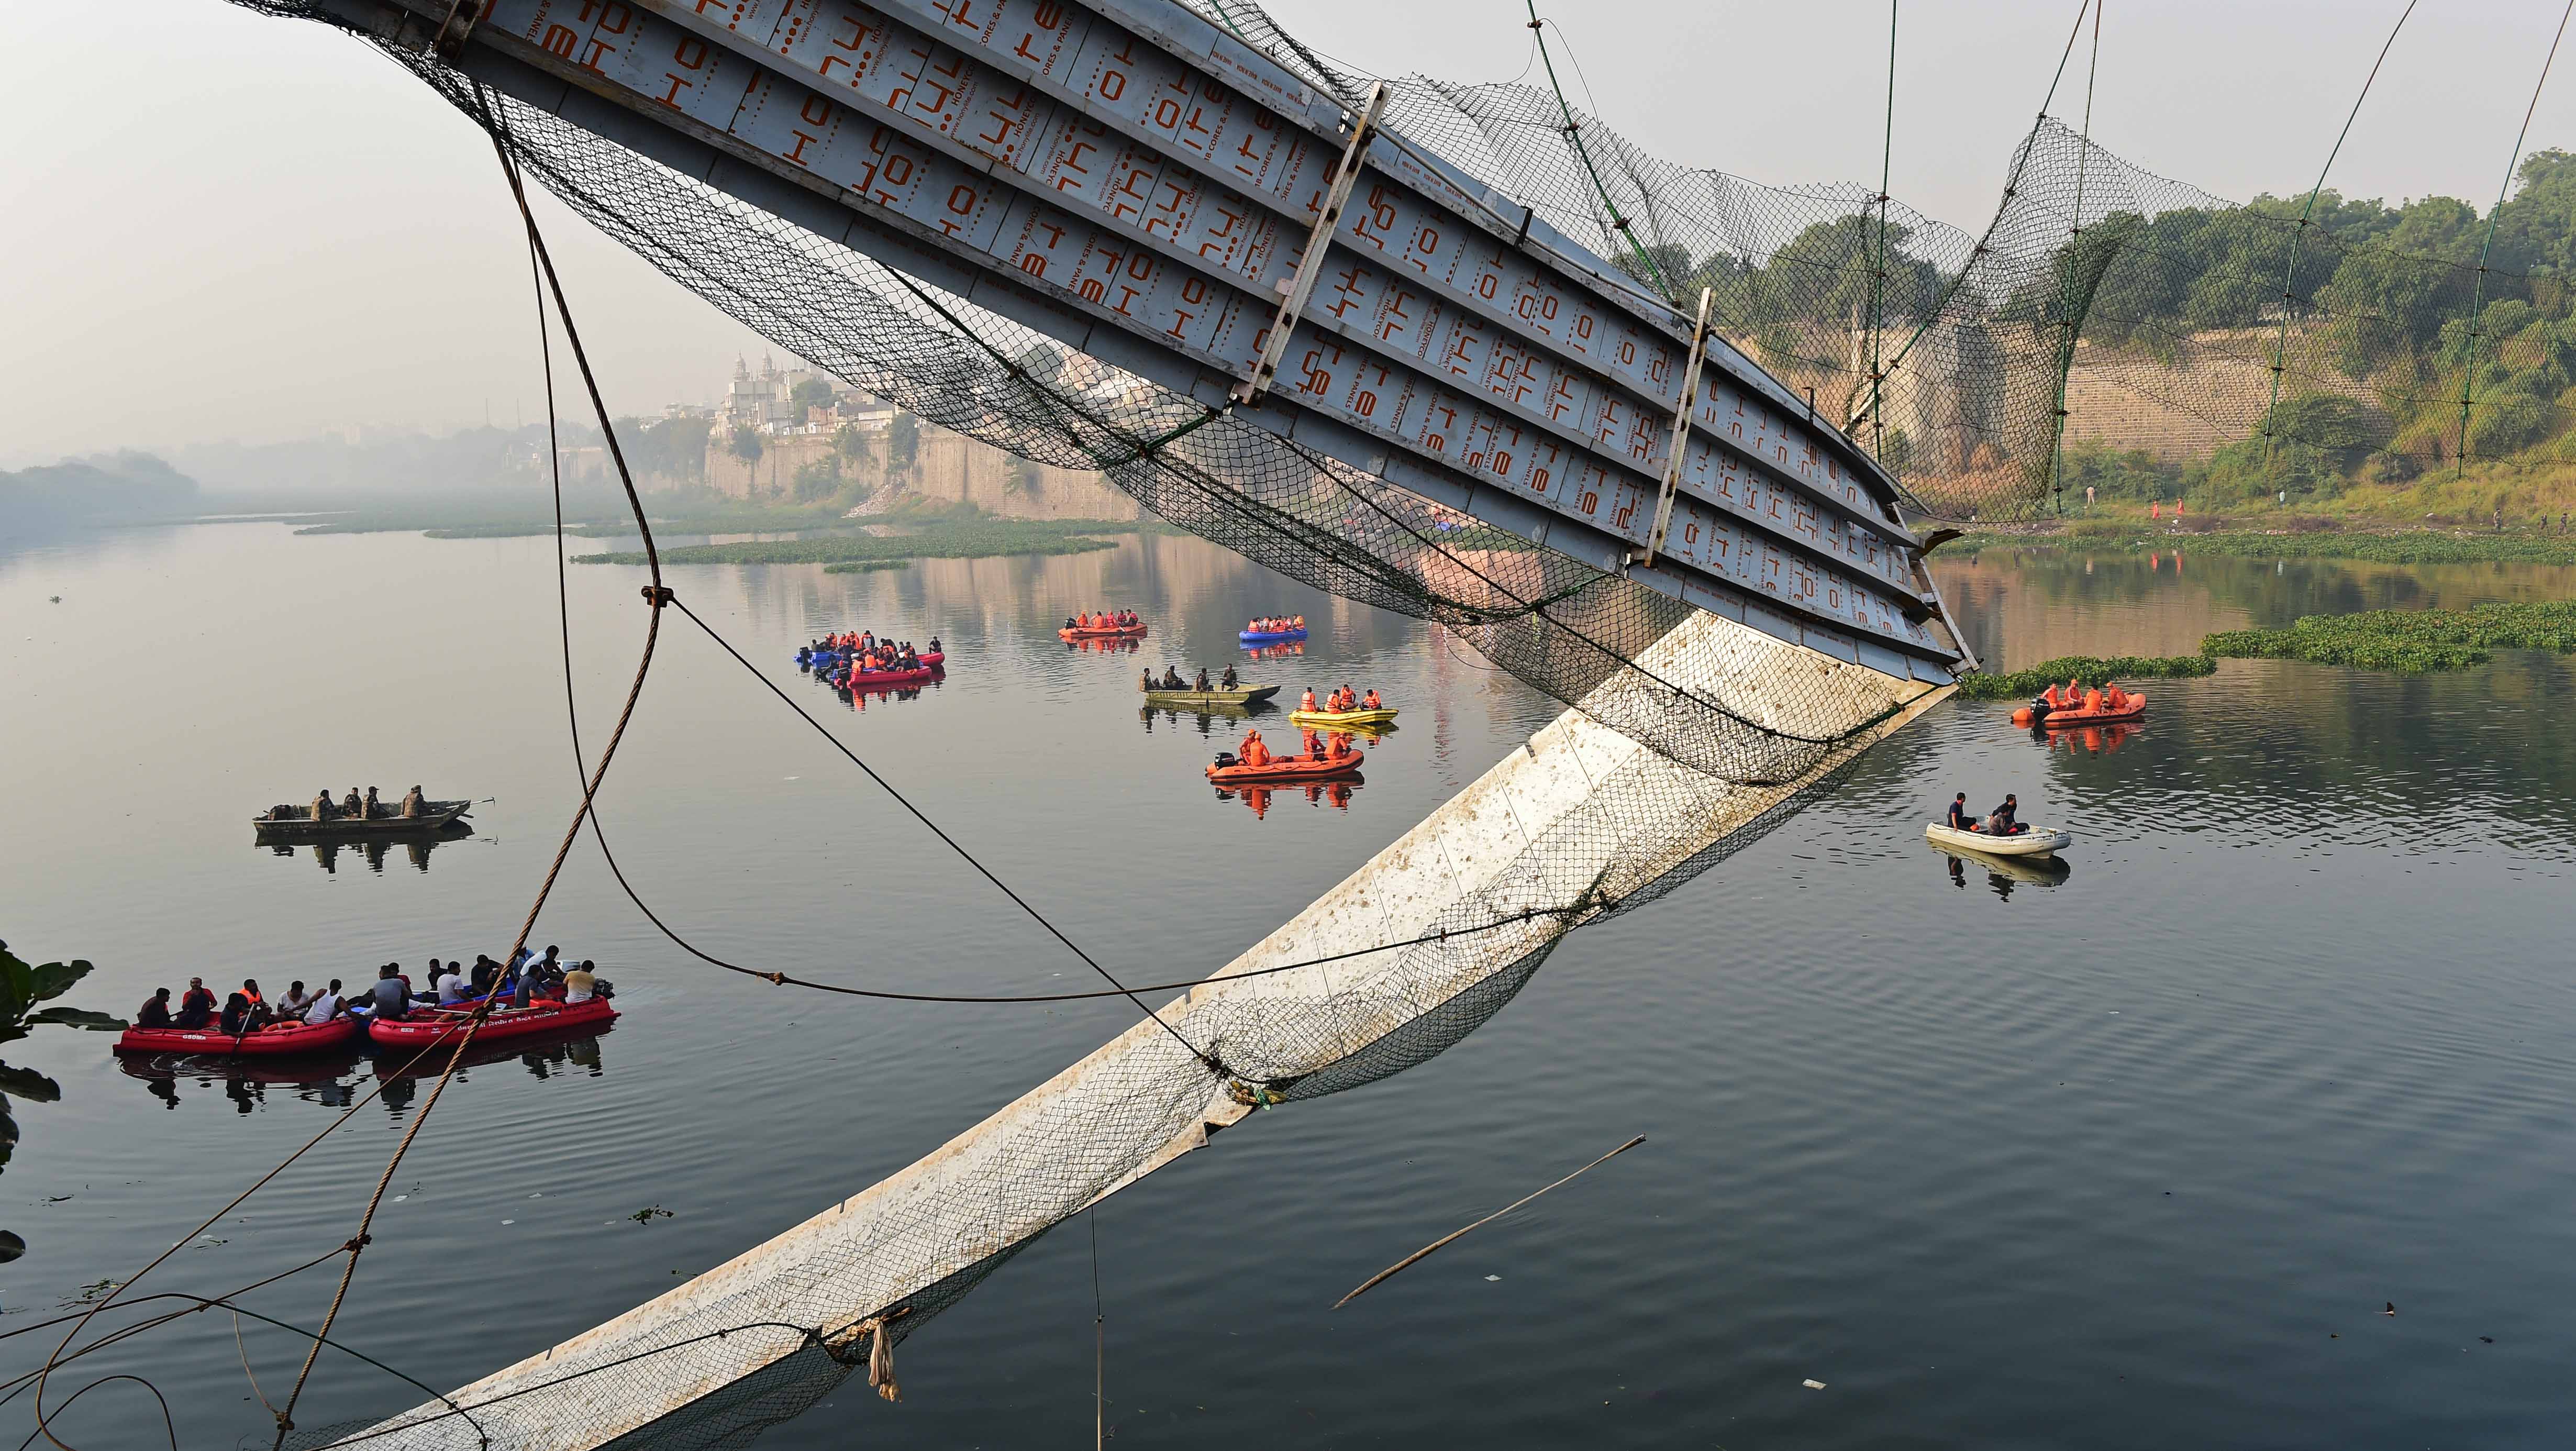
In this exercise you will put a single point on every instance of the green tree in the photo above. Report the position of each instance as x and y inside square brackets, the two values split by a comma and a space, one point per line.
[852, 445]
[745, 443]
[1671, 260]
[818, 479]
[2536, 228]
[2506, 422]
[903, 445]
[811, 393]
[2343, 430]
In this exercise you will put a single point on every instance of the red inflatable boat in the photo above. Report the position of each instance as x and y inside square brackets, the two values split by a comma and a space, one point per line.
[428, 1026]
[2069, 717]
[276, 1040]
[1286, 769]
[889, 679]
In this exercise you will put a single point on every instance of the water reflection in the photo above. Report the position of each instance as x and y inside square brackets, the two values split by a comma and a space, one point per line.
[2098, 740]
[543, 1058]
[323, 1078]
[881, 694]
[1122, 646]
[1204, 717]
[1335, 794]
[2004, 873]
[1275, 652]
[332, 1080]
[372, 850]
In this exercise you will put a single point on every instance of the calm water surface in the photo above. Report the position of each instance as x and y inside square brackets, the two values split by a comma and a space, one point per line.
[2128, 1159]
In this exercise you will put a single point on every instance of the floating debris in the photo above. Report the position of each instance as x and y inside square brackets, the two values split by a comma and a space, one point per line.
[1813, 1385]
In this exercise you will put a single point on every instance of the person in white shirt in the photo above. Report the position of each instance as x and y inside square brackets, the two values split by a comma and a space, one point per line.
[295, 1002]
[453, 988]
[580, 983]
[326, 1004]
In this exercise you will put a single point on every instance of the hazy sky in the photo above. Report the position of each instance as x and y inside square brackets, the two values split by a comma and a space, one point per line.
[216, 225]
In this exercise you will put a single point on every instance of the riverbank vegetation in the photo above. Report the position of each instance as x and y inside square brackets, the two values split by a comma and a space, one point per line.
[952, 538]
[2090, 669]
[2409, 640]
[2381, 546]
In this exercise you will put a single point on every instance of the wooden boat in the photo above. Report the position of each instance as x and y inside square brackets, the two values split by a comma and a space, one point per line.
[2038, 841]
[1178, 699]
[1343, 720]
[435, 816]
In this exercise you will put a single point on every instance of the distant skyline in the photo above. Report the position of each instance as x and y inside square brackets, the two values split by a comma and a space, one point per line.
[221, 226]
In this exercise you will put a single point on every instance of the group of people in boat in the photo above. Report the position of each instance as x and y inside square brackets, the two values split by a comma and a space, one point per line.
[868, 653]
[1256, 752]
[1172, 680]
[1342, 700]
[533, 978]
[1274, 624]
[355, 807]
[1104, 620]
[2105, 699]
[2004, 820]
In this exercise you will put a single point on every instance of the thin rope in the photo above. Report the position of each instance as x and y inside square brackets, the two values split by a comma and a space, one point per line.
[2477, 299]
[656, 596]
[2074, 259]
[2281, 340]
[1099, 1340]
[1122, 990]
[2012, 185]
[1878, 277]
[42, 1374]
[1574, 135]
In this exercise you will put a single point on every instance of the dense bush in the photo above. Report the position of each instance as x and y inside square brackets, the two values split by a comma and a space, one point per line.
[2090, 670]
[2409, 640]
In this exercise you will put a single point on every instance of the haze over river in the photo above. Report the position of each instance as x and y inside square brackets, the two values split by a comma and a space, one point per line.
[2131, 1159]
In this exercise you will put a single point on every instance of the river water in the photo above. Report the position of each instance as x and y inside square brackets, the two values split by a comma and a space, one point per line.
[2128, 1158]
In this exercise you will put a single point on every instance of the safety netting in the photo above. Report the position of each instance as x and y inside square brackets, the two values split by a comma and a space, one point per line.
[1686, 736]
[2189, 344]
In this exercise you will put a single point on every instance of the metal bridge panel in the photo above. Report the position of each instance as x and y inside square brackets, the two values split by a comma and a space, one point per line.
[1060, 150]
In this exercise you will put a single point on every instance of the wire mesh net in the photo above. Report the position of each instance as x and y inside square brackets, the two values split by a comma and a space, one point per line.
[1686, 737]
[2193, 344]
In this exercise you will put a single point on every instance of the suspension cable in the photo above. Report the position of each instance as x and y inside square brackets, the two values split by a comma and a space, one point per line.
[1878, 274]
[2477, 298]
[2012, 185]
[1574, 136]
[2066, 297]
[2289, 274]
[656, 597]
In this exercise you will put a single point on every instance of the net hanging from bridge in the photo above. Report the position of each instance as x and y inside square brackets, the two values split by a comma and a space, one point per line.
[2155, 313]
[1686, 737]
